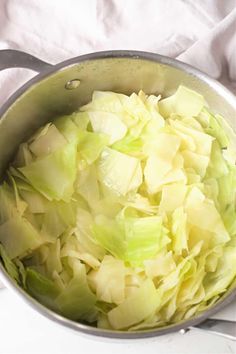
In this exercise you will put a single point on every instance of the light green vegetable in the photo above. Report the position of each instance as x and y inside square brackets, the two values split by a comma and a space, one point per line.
[67, 127]
[158, 173]
[213, 126]
[195, 161]
[136, 308]
[109, 280]
[123, 213]
[54, 174]
[184, 102]
[202, 141]
[129, 145]
[77, 301]
[105, 101]
[144, 237]
[47, 142]
[217, 167]
[41, 287]
[109, 236]
[87, 185]
[90, 145]
[119, 172]
[84, 235]
[216, 283]
[173, 196]
[10, 266]
[109, 124]
[81, 119]
[179, 231]
[131, 239]
[35, 201]
[161, 265]
[57, 218]
[19, 237]
[210, 220]
[23, 156]
[7, 203]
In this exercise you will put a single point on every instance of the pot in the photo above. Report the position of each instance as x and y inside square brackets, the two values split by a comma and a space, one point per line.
[63, 88]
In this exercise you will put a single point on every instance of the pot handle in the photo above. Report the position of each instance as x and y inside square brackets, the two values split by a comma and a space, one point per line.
[11, 58]
[223, 328]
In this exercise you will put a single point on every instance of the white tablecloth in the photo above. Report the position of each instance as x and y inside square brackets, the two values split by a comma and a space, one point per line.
[22, 331]
[202, 33]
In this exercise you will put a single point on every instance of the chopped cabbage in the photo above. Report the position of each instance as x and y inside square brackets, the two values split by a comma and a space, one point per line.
[91, 145]
[184, 102]
[47, 142]
[109, 280]
[109, 124]
[131, 239]
[54, 175]
[123, 213]
[161, 265]
[172, 196]
[9, 265]
[119, 172]
[19, 237]
[136, 308]
[42, 288]
[77, 301]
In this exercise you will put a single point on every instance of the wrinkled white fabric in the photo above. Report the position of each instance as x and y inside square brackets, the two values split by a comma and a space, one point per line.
[55, 30]
[201, 33]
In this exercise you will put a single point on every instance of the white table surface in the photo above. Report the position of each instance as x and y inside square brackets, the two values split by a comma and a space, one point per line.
[23, 331]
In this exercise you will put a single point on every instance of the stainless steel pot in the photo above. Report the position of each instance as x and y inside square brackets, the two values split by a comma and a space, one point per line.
[61, 89]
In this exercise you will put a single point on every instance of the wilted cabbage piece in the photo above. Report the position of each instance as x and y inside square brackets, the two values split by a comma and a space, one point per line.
[53, 175]
[47, 141]
[119, 172]
[131, 239]
[136, 308]
[19, 237]
[42, 288]
[184, 102]
[123, 214]
[109, 280]
[9, 264]
[77, 301]
[109, 124]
